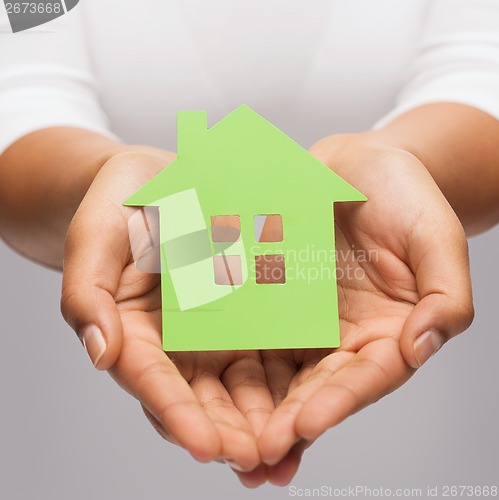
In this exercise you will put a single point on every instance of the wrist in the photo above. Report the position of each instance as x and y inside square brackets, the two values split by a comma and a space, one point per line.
[351, 154]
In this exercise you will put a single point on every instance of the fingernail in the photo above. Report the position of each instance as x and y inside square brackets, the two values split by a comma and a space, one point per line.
[234, 466]
[94, 343]
[273, 461]
[426, 345]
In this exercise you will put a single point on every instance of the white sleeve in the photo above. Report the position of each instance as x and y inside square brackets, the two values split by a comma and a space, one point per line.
[46, 79]
[457, 59]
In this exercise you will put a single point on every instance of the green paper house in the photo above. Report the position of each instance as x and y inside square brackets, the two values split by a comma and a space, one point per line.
[226, 283]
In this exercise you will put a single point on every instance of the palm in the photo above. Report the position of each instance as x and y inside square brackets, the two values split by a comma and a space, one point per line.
[191, 398]
[380, 249]
[372, 312]
[237, 391]
[214, 404]
[194, 399]
[249, 406]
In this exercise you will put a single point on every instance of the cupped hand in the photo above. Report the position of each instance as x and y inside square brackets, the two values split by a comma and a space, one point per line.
[403, 290]
[210, 403]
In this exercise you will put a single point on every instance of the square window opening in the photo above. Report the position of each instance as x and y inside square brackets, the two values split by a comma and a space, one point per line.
[228, 270]
[225, 228]
[268, 228]
[270, 269]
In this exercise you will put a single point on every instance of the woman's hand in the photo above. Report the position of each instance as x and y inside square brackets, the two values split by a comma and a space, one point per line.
[196, 400]
[404, 290]
[397, 306]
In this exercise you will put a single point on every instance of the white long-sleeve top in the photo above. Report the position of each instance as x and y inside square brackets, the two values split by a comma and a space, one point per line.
[313, 68]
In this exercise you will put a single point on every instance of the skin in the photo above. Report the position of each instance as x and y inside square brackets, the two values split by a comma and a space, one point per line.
[260, 410]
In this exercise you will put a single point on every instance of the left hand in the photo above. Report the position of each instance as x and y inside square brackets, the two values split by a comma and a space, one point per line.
[404, 290]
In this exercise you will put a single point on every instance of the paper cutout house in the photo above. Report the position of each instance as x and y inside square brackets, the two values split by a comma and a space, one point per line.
[245, 168]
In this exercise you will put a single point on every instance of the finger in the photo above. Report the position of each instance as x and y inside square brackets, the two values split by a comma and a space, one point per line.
[311, 358]
[280, 369]
[282, 473]
[254, 478]
[376, 370]
[144, 370]
[247, 386]
[279, 474]
[95, 255]
[156, 424]
[443, 280]
[280, 433]
[238, 442]
[96, 251]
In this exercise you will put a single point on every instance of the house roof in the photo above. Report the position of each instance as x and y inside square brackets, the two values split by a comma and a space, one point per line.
[246, 140]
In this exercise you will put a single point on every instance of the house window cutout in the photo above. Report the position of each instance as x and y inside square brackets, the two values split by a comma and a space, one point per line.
[270, 269]
[228, 270]
[268, 228]
[225, 228]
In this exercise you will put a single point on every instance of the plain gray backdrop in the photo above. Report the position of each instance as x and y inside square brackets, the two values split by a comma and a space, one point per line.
[68, 432]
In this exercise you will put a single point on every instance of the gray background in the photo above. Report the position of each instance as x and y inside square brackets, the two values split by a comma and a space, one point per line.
[67, 432]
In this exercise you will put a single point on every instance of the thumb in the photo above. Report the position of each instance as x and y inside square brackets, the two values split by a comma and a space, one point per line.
[93, 262]
[97, 250]
[445, 308]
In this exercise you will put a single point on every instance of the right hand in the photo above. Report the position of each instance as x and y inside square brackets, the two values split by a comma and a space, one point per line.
[210, 403]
